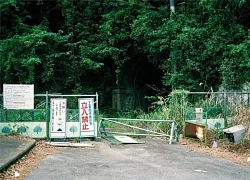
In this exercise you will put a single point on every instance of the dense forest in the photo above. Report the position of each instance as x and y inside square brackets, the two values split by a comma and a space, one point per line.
[88, 46]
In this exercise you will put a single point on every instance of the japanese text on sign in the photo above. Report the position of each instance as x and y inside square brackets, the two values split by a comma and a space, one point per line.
[18, 96]
[58, 117]
[86, 114]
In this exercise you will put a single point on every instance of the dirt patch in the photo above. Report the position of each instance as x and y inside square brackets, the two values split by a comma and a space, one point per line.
[237, 153]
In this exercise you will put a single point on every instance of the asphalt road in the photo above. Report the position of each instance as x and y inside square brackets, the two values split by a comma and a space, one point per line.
[153, 160]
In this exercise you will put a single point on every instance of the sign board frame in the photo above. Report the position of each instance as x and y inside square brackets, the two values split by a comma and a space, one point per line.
[86, 117]
[58, 108]
[18, 96]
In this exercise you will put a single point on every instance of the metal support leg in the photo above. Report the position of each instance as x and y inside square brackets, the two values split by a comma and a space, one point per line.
[103, 128]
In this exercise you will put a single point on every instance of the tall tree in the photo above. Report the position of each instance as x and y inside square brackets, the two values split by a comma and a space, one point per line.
[67, 45]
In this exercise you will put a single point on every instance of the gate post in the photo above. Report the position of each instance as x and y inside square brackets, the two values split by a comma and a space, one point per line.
[47, 116]
[97, 118]
[171, 133]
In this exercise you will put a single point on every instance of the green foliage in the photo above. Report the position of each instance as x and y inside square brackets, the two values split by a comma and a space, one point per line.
[191, 46]
[235, 69]
[75, 46]
[80, 46]
[115, 31]
[22, 54]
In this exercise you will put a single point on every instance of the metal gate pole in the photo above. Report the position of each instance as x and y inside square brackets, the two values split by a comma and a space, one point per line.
[47, 115]
[171, 133]
[97, 118]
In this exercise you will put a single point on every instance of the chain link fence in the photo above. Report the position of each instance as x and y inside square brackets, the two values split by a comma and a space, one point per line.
[38, 114]
[36, 122]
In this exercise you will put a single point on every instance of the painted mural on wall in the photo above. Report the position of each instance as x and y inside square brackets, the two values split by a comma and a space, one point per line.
[29, 129]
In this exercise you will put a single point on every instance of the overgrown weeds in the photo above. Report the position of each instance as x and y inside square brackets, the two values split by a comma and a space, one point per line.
[176, 104]
[242, 117]
[240, 147]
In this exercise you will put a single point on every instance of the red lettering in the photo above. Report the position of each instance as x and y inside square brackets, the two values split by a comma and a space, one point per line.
[85, 126]
[84, 107]
[85, 119]
[85, 123]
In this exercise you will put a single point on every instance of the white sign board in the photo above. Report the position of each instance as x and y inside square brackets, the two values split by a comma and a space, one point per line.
[18, 96]
[57, 118]
[86, 117]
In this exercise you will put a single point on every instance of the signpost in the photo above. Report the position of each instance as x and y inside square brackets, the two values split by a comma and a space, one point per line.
[58, 118]
[86, 117]
[18, 96]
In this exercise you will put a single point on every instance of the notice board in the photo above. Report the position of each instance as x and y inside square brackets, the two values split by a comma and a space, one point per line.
[18, 96]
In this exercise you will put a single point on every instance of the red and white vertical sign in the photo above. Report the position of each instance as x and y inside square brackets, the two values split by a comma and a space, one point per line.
[57, 118]
[86, 116]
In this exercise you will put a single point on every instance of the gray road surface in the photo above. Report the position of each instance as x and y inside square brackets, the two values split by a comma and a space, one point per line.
[153, 160]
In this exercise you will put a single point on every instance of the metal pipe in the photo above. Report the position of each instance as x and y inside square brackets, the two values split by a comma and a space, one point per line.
[97, 101]
[171, 133]
[47, 116]
[135, 127]
[147, 120]
[131, 134]
[215, 92]
[76, 95]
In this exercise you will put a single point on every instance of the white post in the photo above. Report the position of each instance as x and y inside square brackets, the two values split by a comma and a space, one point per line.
[171, 133]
